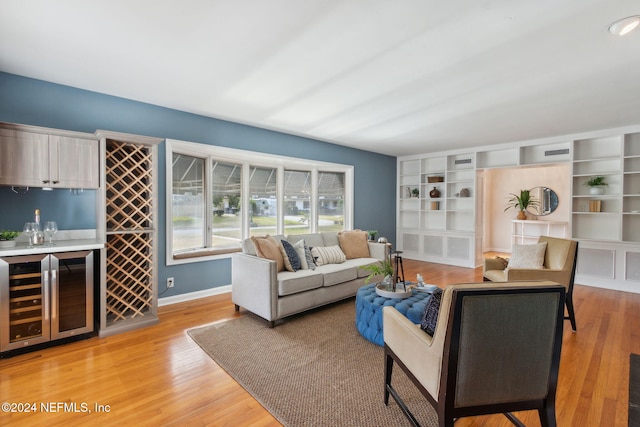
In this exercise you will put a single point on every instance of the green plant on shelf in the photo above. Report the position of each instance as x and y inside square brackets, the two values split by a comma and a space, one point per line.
[8, 235]
[596, 181]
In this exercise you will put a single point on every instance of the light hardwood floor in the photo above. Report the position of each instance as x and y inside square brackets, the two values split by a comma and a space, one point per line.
[157, 376]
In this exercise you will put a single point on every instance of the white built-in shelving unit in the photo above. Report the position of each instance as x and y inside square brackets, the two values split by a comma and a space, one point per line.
[439, 228]
[526, 232]
[447, 229]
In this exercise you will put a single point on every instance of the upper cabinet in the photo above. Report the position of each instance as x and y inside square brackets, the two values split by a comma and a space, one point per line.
[40, 159]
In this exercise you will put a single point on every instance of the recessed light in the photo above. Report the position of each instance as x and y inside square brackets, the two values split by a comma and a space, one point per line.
[624, 26]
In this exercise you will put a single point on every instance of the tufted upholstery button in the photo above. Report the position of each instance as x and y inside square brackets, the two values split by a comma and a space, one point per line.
[369, 310]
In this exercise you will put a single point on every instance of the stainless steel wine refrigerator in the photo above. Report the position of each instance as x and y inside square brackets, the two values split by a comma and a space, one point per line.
[45, 297]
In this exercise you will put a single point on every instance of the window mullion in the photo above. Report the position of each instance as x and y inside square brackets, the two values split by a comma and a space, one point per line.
[280, 201]
[208, 203]
[313, 202]
[245, 200]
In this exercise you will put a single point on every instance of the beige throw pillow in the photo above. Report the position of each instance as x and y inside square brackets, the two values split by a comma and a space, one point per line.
[527, 256]
[268, 247]
[354, 244]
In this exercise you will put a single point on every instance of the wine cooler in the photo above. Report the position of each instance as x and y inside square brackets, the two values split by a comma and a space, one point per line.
[45, 297]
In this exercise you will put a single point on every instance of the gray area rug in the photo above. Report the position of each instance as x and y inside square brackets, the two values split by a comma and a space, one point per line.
[313, 369]
[634, 390]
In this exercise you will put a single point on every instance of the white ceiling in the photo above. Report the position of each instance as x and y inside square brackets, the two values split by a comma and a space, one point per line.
[392, 76]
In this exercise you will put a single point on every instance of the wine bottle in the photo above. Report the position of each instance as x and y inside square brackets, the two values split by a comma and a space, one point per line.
[38, 235]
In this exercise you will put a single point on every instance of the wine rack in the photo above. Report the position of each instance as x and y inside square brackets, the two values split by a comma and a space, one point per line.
[26, 301]
[129, 294]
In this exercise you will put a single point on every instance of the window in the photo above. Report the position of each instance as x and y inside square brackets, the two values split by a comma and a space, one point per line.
[263, 200]
[330, 201]
[220, 196]
[297, 198]
[226, 192]
[187, 202]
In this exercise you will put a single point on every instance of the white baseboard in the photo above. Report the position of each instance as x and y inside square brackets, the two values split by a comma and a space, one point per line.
[194, 295]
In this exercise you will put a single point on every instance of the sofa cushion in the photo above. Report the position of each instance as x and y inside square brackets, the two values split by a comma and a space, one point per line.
[303, 280]
[330, 238]
[311, 239]
[328, 255]
[268, 247]
[290, 256]
[527, 256]
[354, 244]
[361, 262]
[334, 274]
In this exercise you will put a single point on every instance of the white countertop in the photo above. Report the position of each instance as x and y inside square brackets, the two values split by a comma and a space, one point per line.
[22, 248]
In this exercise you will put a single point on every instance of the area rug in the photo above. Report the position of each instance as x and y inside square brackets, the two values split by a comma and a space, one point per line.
[634, 390]
[313, 369]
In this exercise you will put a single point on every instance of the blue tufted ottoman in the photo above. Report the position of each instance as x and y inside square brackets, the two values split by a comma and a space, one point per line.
[369, 310]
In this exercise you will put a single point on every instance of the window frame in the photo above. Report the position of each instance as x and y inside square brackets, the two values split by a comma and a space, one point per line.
[246, 159]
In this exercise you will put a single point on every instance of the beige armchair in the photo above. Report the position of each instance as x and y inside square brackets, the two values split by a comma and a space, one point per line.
[560, 260]
[494, 350]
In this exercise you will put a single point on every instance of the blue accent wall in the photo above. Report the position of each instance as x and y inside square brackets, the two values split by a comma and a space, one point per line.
[39, 103]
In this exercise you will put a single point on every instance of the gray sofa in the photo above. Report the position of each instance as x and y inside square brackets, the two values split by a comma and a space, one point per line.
[257, 286]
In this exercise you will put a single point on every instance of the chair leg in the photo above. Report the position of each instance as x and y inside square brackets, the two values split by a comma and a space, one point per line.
[547, 415]
[388, 370]
[570, 311]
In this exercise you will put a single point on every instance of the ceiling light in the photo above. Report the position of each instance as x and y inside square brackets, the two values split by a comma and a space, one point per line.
[624, 26]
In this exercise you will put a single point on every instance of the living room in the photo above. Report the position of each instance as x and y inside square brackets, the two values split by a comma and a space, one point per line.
[200, 294]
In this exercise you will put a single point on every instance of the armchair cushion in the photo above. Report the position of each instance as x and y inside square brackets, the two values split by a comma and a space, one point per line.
[528, 256]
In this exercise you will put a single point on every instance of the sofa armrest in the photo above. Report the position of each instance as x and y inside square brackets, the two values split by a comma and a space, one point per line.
[494, 264]
[254, 285]
[378, 250]
[421, 353]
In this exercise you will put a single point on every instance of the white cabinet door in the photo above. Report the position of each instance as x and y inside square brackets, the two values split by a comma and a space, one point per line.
[74, 162]
[33, 159]
[23, 158]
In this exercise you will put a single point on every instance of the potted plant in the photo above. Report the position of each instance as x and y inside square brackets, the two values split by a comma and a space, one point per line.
[384, 268]
[372, 234]
[521, 202]
[596, 184]
[415, 192]
[7, 238]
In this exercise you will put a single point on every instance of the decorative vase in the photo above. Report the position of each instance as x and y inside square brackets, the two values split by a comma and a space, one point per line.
[435, 193]
[522, 215]
[596, 190]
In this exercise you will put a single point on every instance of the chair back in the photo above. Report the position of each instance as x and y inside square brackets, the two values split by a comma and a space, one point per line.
[502, 348]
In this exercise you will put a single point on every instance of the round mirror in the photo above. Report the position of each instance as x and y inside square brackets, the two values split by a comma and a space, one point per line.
[547, 198]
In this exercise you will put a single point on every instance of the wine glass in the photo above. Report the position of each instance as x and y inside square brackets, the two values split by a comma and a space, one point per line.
[50, 230]
[29, 229]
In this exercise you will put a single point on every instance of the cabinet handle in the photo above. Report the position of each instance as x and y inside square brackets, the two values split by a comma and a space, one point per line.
[54, 299]
[55, 182]
[46, 295]
[46, 181]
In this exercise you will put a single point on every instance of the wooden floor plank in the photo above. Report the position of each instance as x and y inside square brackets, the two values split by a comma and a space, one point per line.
[159, 376]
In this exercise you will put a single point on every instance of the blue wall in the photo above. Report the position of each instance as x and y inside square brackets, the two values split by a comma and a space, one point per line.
[39, 103]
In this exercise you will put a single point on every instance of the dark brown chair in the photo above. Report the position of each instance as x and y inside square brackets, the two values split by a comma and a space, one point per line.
[495, 349]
